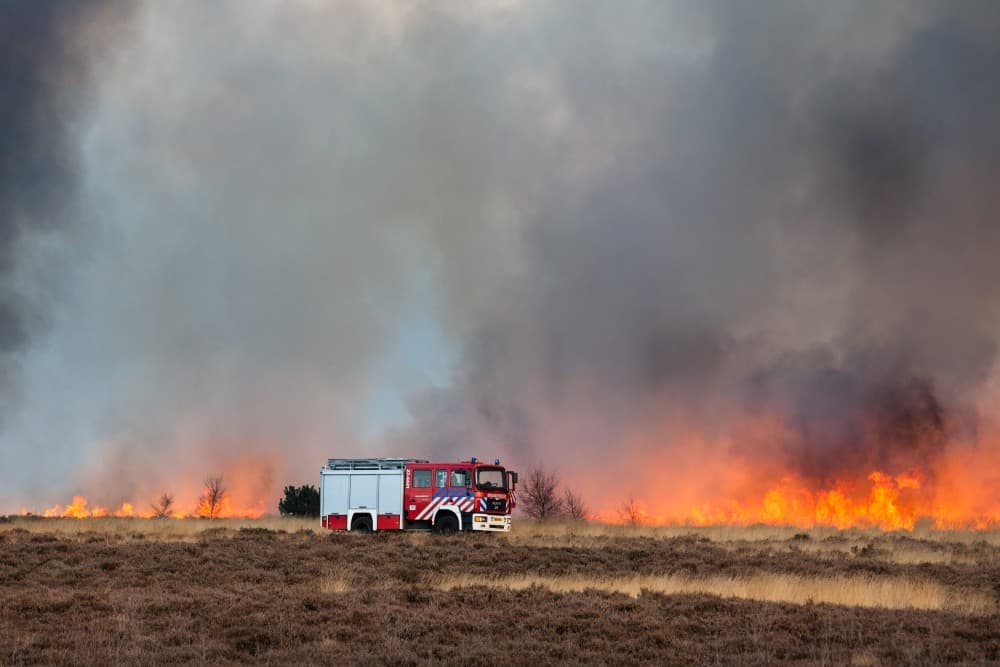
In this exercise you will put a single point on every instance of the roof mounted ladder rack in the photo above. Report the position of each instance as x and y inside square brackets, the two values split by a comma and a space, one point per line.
[370, 464]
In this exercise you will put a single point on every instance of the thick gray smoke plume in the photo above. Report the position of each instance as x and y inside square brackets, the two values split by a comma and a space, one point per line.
[45, 52]
[633, 228]
[37, 71]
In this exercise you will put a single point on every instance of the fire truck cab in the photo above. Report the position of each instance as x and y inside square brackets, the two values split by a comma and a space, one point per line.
[414, 494]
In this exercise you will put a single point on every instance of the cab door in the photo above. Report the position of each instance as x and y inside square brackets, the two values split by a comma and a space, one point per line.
[419, 493]
[440, 479]
[461, 490]
[440, 494]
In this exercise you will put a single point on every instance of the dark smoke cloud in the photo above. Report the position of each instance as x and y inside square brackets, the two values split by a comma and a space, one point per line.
[35, 161]
[42, 85]
[856, 415]
[630, 223]
[803, 223]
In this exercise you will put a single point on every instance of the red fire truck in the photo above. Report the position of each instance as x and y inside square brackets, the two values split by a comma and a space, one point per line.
[411, 494]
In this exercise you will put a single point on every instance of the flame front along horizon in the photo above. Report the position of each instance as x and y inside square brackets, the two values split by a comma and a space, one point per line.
[81, 508]
[902, 501]
[885, 501]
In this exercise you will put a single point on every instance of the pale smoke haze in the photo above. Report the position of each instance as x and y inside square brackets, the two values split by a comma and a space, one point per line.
[634, 229]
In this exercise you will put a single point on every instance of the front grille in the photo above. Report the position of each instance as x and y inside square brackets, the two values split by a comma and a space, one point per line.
[496, 505]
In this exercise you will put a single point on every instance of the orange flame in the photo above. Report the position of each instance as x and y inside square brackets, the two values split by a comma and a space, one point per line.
[247, 490]
[80, 508]
[889, 502]
[790, 502]
[721, 481]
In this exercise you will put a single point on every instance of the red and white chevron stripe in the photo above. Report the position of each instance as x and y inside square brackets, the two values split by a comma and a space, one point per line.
[463, 505]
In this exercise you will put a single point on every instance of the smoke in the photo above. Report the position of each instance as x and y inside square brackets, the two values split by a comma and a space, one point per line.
[634, 230]
[37, 157]
[798, 221]
[45, 53]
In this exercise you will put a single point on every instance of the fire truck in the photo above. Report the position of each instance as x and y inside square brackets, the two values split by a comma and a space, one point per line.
[413, 494]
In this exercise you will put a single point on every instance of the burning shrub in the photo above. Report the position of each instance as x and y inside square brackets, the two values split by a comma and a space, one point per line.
[630, 512]
[163, 506]
[213, 498]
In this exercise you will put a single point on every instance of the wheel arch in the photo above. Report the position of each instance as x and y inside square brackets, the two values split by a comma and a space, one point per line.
[453, 511]
[352, 515]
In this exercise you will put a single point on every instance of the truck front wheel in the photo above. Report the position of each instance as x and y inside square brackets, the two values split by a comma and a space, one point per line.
[362, 524]
[446, 523]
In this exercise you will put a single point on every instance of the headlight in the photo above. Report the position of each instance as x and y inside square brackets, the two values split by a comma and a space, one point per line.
[479, 519]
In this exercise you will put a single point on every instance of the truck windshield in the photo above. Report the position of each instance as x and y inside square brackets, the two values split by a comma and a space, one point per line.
[491, 478]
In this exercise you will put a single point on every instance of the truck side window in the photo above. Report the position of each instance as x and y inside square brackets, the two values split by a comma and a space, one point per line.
[460, 478]
[440, 479]
[421, 479]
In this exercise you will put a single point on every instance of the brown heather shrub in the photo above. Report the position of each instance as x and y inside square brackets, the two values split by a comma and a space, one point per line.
[270, 594]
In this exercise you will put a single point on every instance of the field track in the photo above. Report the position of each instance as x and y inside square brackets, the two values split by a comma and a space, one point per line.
[119, 591]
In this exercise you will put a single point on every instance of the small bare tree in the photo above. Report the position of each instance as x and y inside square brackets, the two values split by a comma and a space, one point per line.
[630, 512]
[212, 498]
[539, 496]
[162, 507]
[573, 506]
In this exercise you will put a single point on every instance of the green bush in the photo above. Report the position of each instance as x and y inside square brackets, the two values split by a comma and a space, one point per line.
[300, 501]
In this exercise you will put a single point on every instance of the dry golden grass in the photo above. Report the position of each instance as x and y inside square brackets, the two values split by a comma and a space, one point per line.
[555, 533]
[855, 591]
[568, 532]
[166, 529]
[334, 583]
[918, 547]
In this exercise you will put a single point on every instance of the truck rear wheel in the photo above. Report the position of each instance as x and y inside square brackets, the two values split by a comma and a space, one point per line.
[446, 523]
[362, 524]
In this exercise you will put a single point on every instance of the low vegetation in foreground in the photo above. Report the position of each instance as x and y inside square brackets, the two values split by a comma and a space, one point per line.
[279, 590]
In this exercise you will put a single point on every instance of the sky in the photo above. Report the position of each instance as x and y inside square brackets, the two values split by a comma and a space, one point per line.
[754, 238]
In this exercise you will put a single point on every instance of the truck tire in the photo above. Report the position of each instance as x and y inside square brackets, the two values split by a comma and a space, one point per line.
[446, 523]
[362, 524]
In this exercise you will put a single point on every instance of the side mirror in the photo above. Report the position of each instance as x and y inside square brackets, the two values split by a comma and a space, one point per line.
[513, 477]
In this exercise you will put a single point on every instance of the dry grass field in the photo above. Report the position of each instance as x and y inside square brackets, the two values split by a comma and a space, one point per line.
[277, 591]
